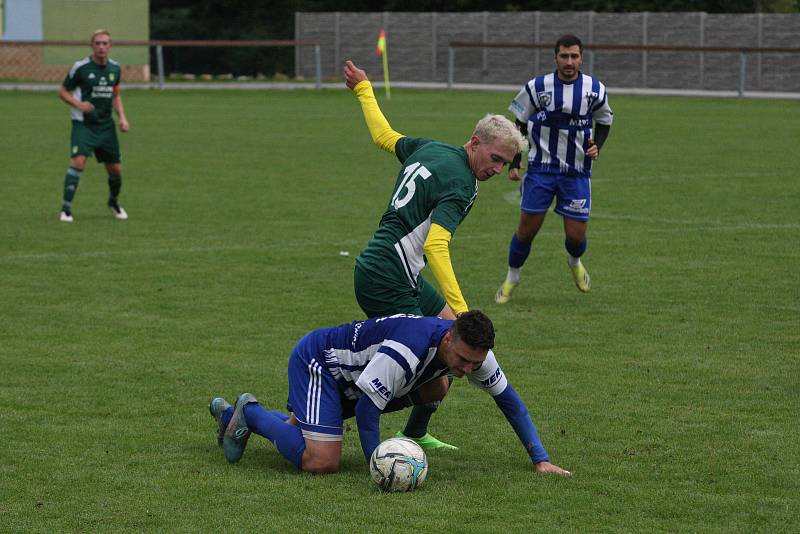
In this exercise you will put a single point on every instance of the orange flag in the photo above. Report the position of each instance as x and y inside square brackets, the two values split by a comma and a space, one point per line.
[381, 48]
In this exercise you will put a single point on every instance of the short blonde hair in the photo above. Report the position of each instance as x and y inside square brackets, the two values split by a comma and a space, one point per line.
[99, 32]
[497, 127]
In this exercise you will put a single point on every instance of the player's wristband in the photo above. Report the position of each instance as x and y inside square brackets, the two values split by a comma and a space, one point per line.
[516, 163]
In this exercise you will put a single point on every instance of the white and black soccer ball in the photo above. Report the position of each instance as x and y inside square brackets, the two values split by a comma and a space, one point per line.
[398, 464]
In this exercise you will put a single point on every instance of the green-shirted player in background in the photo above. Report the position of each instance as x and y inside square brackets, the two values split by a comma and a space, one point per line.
[92, 89]
[434, 192]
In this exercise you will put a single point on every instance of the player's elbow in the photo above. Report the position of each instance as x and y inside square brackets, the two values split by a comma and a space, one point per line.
[386, 141]
[381, 144]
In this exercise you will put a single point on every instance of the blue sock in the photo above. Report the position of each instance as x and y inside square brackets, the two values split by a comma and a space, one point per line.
[288, 439]
[518, 252]
[576, 251]
[226, 417]
[227, 414]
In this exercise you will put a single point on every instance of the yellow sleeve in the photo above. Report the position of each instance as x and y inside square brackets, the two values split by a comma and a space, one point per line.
[437, 251]
[382, 134]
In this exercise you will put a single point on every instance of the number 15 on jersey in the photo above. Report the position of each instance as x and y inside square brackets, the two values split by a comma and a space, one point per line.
[409, 175]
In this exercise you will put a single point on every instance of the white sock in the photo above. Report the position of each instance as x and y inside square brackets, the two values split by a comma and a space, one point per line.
[572, 260]
[513, 275]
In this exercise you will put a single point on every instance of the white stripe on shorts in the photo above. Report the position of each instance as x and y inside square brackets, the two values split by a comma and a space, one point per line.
[314, 392]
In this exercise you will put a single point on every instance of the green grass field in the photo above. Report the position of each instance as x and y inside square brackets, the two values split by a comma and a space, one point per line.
[672, 390]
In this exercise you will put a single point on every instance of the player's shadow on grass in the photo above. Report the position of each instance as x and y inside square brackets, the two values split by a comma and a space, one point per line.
[264, 457]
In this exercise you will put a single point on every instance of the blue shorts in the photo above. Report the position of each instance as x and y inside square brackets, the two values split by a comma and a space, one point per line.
[315, 398]
[319, 403]
[573, 195]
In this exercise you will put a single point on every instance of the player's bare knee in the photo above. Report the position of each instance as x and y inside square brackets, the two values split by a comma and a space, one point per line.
[320, 466]
[575, 231]
[575, 238]
[321, 457]
[78, 162]
[527, 230]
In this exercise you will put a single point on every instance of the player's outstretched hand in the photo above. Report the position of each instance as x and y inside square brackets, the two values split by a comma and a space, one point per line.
[547, 467]
[353, 75]
[124, 126]
[513, 174]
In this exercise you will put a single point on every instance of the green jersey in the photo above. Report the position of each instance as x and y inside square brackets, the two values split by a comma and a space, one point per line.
[435, 185]
[90, 82]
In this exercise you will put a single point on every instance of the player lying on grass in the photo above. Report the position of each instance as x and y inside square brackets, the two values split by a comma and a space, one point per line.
[433, 193]
[366, 368]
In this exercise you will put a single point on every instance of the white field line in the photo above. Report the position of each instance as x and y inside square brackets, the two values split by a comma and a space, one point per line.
[150, 251]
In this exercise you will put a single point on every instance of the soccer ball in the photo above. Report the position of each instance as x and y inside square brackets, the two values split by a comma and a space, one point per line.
[398, 464]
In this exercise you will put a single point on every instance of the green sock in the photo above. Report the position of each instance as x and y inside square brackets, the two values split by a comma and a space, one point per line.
[71, 180]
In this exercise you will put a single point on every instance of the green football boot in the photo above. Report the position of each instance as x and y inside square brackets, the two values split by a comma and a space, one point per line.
[428, 442]
[217, 407]
[237, 432]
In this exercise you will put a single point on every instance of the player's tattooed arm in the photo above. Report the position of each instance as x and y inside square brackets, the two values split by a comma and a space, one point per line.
[516, 163]
[601, 132]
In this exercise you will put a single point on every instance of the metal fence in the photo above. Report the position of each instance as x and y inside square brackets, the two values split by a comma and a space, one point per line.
[49, 61]
[591, 50]
[419, 47]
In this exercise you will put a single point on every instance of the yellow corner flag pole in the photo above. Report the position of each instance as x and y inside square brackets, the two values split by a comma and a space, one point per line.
[381, 51]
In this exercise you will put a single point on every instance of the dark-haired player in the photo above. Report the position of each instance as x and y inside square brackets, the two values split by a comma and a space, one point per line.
[557, 111]
[366, 368]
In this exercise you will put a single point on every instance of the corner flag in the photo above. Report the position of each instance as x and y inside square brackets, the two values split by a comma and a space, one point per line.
[380, 50]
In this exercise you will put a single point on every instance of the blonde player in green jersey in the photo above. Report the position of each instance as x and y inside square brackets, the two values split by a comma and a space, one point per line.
[434, 191]
[91, 89]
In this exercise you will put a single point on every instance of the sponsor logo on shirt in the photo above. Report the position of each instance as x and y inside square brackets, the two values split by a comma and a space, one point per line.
[356, 329]
[103, 90]
[489, 382]
[380, 389]
[398, 316]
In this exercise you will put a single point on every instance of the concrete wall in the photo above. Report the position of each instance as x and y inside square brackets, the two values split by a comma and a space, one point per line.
[418, 47]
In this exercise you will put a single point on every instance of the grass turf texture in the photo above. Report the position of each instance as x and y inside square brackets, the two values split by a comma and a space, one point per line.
[670, 390]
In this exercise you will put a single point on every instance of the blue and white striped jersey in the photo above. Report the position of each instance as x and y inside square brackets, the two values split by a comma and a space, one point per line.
[559, 116]
[387, 357]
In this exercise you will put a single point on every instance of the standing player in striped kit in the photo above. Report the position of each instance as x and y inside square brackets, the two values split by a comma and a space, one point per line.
[556, 111]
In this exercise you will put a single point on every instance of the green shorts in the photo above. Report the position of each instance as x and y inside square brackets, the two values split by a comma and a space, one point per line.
[379, 297]
[98, 138]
